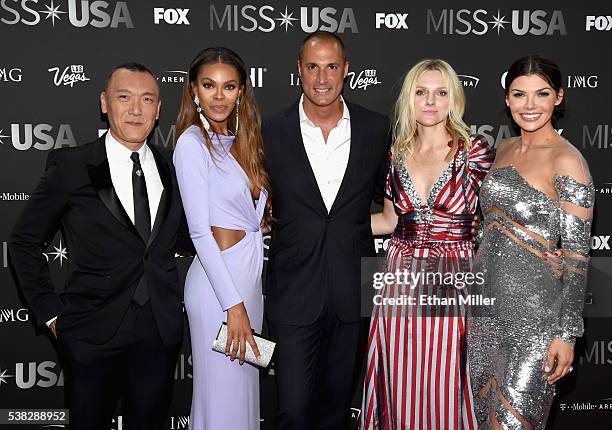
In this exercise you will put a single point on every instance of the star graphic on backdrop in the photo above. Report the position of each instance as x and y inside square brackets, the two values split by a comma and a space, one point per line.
[60, 253]
[286, 19]
[499, 21]
[4, 376]
[52, 12]
[1, 136]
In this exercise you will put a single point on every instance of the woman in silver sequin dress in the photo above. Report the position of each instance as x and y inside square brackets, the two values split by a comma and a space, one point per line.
[537, 197]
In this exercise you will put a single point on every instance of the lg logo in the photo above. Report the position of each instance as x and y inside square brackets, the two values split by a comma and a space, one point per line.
[392, 20]
[170, 16]
[599, 243]
[600, 23]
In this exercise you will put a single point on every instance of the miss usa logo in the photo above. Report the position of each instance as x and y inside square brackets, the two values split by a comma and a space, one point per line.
[40, 136]
[81, 13]
[248, 17]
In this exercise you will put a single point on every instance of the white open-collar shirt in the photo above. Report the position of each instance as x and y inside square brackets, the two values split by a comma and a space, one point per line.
[328, 160]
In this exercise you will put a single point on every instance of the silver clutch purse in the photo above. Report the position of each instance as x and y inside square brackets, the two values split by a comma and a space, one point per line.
[265, 346]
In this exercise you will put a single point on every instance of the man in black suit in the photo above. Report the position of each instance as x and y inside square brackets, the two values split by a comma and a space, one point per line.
[119, 323]
[326, 161]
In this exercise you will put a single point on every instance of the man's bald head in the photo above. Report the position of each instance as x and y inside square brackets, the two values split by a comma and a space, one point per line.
[322, 36]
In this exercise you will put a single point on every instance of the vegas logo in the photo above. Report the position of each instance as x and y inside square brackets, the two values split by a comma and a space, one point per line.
[69, 76]
[363, 80]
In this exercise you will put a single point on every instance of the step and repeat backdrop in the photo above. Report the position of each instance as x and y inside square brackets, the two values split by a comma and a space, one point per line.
[55, 54]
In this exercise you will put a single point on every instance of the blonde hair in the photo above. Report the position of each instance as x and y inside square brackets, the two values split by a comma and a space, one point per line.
[405, 131]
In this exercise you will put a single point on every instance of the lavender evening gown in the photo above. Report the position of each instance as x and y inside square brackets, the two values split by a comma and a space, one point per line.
[215, 192]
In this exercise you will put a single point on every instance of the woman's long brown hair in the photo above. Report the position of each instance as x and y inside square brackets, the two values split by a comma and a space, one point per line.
[248, 142]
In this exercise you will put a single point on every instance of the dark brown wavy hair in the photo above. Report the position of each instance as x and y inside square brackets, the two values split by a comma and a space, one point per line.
[544, 68]
[248, 142]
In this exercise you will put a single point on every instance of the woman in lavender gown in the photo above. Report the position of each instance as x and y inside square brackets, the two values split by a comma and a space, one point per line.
[223, 185]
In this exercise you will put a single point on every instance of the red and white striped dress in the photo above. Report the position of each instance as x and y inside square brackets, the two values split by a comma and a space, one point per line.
[417, 374]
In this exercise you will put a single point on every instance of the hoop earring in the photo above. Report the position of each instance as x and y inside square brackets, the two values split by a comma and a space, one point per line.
[237, 107]
[205, 122]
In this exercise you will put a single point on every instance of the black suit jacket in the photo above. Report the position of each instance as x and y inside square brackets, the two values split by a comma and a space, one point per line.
[107, 256]
[314, 253]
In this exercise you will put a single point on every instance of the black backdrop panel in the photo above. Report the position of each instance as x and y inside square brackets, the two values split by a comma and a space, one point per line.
[55, 54]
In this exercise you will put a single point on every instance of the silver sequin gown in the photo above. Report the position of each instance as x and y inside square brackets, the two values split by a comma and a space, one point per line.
[508, 342]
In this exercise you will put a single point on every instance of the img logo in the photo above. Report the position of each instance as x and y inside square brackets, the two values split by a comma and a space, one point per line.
[582, 81]
[13, 315]
[12, 74]
[179, 422]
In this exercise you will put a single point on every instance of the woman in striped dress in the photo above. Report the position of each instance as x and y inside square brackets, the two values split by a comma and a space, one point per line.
[417, 375]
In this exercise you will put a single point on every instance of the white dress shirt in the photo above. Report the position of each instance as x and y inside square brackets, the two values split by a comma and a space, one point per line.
[121, 165]
[328, 160]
